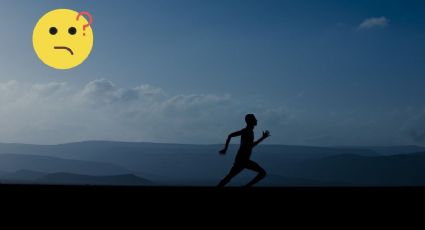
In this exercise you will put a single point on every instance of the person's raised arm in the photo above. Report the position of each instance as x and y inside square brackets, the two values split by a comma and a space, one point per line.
[235, 134]
[265, 135]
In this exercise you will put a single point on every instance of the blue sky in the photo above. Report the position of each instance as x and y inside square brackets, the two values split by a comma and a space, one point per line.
[310, 71]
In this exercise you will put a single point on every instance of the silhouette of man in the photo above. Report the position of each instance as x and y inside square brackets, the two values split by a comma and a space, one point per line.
[242, 160]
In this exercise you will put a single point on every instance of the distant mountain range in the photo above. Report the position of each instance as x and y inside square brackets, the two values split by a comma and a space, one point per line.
[34, 177]
[106, 162]
[76, 179]
[16, 162]
[354, 170]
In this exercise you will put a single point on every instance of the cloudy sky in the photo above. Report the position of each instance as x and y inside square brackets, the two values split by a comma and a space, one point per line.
[314, 72]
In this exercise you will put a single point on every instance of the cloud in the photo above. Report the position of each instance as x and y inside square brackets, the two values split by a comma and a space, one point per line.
[49, 88]
[6, 86]
[370, 23]
[58, 112]
[104, 92]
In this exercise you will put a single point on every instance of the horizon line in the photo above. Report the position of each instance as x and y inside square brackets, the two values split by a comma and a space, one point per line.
[173, 143]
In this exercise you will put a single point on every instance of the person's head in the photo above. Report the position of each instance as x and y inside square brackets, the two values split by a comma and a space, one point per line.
[251, 120]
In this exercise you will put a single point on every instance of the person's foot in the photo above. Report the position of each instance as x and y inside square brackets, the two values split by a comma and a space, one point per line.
[220, 185]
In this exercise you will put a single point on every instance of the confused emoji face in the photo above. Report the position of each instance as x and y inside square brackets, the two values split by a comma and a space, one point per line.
[63, 38]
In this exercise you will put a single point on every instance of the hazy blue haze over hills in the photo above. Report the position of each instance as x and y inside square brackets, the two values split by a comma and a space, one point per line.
[177, 164]
[16, 162]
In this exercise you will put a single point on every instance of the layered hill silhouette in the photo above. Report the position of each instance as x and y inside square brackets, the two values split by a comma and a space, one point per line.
[353, 170]
[35, 177]
[102, 162]
[76, 179]
[16, 162]
[22, 176]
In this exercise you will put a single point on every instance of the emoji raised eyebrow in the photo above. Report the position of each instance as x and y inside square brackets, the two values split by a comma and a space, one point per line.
[64, 48]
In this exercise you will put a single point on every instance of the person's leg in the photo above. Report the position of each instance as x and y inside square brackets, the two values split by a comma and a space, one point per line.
[255, 167]
[235, 170]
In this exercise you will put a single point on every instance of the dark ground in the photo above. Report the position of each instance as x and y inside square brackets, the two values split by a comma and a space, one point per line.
[206, 206]
[206, 196]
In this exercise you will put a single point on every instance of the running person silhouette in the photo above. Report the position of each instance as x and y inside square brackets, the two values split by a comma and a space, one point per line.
[242, 160]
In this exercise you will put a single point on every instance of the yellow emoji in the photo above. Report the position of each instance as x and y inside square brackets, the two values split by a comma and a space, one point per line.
[63, 38]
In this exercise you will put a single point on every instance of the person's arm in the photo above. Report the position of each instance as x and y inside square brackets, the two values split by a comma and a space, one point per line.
[265, 135]
[235, 134]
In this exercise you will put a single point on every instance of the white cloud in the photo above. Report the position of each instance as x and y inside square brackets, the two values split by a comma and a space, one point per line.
[58, 112]
[101, 91]
[6, 86]
[370, 23]
[49, 88]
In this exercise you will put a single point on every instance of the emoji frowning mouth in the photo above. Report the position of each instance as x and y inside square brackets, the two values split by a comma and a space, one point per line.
[64, 48]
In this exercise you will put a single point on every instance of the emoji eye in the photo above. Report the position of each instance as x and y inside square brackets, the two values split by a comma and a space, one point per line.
[53, 30]
[72, 30]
